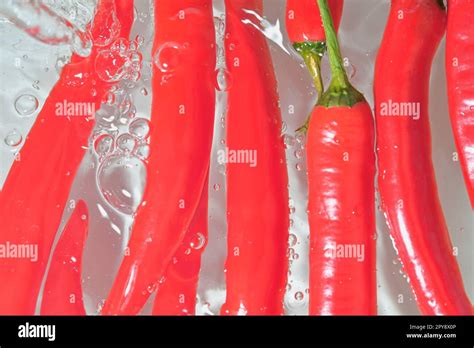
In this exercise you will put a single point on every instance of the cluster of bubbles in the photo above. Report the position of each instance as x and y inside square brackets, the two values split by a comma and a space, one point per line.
[122, 61]
[297, 144]
[121, 174]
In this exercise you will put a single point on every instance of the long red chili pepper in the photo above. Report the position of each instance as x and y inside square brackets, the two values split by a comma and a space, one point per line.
[306, 32]
[257, 181]
[177, 294]
[62, 294]
[341, 171]
[180, 144]
[406, 179]
[460, 78]
[30, 212]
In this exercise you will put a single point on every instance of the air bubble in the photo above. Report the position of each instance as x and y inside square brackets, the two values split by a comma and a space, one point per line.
[198, 241]
[126, 143]
[140, 128]
[299, 296]
[168, 57]
[103, 145]
[121, 181]
[223, 80]
[26, 105]
[288, 140]
[13, 138]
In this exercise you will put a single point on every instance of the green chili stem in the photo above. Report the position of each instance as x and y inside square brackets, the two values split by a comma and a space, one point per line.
[339, 76]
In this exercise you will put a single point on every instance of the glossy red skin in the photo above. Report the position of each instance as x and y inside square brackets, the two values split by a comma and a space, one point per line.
[406, 179]
[180, 148]
[37, 187]
[341, 172]
[460, 78]
[177, 295]
[64, 276]
[257, 198]
[303, 20]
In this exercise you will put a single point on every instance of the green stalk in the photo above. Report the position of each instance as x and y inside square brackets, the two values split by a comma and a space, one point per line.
[340, 91]
[312, 53]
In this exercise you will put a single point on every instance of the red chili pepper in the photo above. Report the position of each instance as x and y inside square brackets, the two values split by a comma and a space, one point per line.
[460, 77]
[306, 32]
[180, 145]
[341, 171]
[406, 179]
[62, 293]
[30, 212]
[177, 295]
[257, 183]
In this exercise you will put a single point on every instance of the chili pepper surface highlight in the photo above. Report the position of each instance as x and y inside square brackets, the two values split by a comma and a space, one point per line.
[62, 294]
[460, 78]
[177, 294]
[30, 211]
[341, 171]
[257, 193]
[406, 178]
[180, 144]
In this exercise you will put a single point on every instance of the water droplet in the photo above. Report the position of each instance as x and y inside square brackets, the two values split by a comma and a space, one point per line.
[222, 169]
[223, 80]
[13, 138]
[121, 181]
[168, 56]
[217, 187]
[142, 151]
[299, 167]
[144, 91]
[140, 128]
[299, 296]
[299, 154]
[26, 105]
[126, 143]
[103, 144]
[288, 140]
[292, 239]
[198, 241]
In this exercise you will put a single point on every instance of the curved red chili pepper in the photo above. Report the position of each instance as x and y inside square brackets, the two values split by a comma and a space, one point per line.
[177, 294]
[303, 20]
[62, 293]
[406, 179]
[341, 172]
[460, 78]
[257, 190]
[180, 143]
[306, 32]
[30, 212]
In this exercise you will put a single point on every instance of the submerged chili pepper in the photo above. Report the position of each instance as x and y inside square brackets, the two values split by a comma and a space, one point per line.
[180, 144]
[341, 171]
[257, 185]
[177, 294]
[306, 32]
[37, 186]
[406, 179]
[62, 294]
[460, 78]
